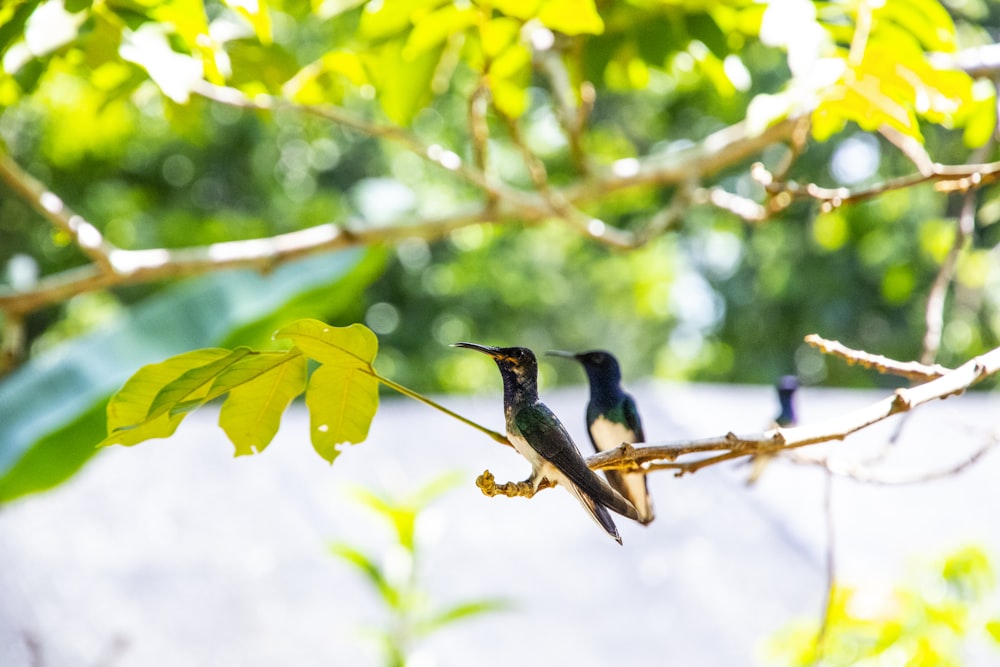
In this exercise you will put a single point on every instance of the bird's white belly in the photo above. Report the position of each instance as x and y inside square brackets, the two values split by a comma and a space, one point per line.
[608, 434]
[540, 467]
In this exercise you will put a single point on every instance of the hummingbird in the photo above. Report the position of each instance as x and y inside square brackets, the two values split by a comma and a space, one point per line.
[786, 387]
[538, 435]
[612, 418]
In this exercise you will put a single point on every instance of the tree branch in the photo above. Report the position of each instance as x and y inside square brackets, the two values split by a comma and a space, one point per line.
[946, 178]
[129, 267]
[934, 312]
[722, 149]
[663, 456]
[910, 369]
[51, 207]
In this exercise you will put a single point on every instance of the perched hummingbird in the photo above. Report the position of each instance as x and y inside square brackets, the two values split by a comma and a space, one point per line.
[539, 436]
[786, 391]
[612, 419]
[786, 417]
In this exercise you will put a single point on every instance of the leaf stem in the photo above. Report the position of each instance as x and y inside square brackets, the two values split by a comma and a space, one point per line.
[406, 391]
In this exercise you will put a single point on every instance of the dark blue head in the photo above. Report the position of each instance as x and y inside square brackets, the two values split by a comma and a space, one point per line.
[602, 369]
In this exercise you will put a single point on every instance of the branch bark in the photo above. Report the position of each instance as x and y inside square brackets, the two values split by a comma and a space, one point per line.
[113, 267]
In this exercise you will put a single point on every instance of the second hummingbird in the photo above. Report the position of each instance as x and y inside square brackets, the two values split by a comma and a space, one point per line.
[612, 418]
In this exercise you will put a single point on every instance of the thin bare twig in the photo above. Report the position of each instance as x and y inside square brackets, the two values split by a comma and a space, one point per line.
[434, 153]
[744, 207]
[934, 312]
[51, 207]
[586, 225]
[912, 149]
[908, 369]
[865, 475]
[571, 113]
[479, 130]
[946, 178]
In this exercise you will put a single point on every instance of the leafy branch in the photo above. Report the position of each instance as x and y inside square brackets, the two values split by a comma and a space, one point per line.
[341, 394]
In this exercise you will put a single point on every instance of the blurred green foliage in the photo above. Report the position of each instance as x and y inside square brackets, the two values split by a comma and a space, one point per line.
[97, 102]
[397, 575]
[945, 612]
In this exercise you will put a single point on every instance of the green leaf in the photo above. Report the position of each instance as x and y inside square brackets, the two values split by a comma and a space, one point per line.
[260, 67]
[436, 488]
[402, 516]
[327, 79]
[993, 628]
[403, 84]
[981, 118]
[704, 28]
[571, 17]
[354, 345]
[129, 422]
[926, 20]
[262, 386]
[55, 457]
[434, 28]
[193, 384]
[12, 20]
[463, 611]
[160, 427]
[256, 13]
[510, 75]
[48, 432]
[370, 569]
[522, 9]
[342, 401]
[132, 403]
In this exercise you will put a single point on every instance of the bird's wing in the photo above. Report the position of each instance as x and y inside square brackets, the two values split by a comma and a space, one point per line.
[547, 436]
[632, 418]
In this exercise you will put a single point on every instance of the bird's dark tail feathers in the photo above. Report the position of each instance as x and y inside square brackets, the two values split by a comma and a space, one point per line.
[599, 513]
[615, 501]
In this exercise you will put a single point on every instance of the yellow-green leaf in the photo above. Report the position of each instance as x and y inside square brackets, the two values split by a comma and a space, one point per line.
[254, 11]
[926, 20]
[510, 75]
[342, 401]
[193, 384]
[130, 405]
[403, 84]
[980, 115]
[261, 387]
[497, 34]
[571, 17]
[354, 345]
[522, 9]
[160, 427]
[326, 79]
[434, 28]
[993, 628]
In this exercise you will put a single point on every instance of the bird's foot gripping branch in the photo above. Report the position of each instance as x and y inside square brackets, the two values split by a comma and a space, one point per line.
[488, 484]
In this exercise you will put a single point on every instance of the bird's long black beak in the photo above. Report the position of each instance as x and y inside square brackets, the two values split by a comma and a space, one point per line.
[485, 349]
[560, 353]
